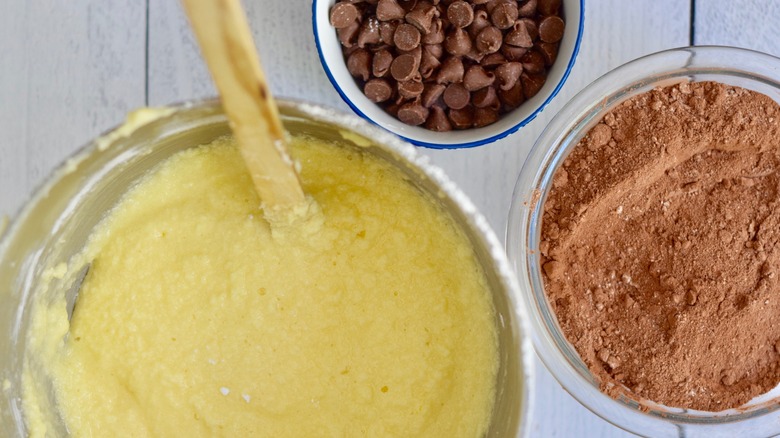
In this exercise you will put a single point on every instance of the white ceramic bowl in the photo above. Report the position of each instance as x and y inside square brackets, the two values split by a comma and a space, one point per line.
[335, 67]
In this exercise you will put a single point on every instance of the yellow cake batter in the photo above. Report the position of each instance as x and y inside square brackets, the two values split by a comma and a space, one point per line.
[195, 321]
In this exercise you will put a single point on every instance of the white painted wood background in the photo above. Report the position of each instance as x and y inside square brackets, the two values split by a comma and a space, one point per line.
[72, 69]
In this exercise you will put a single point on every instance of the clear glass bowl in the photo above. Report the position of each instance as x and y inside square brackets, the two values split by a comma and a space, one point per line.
[60, 215]
[739, 67]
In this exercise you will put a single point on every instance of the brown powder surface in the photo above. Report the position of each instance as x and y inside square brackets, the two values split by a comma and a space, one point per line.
[661, 246]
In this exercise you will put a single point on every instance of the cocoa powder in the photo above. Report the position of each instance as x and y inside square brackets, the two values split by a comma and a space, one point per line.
[661, 247]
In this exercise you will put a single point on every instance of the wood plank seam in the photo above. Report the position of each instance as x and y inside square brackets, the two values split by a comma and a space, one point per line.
[692, 24]
[146, 57]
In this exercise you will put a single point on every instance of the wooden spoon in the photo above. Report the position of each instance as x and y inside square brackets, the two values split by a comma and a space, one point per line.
[223, 34]
[226, 43]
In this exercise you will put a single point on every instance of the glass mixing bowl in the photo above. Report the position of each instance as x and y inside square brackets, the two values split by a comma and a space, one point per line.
[739, 67]
[56, 221]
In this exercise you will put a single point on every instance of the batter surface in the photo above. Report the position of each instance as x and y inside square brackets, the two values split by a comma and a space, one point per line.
[195, 321]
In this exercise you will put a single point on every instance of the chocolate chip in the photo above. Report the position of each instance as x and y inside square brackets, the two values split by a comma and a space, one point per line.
[493, 60]
[359, 64]
[408, 5]
[519, 36]
[504, 14]
[460, 13]
[387, 31]
[532, 83]
[485, 97]
[434, 49]
[456, 96]
[378, 90]
[412, 113]
[438, 120]
[343, 14]
[474, 55]
[533, 62]
[513, 97]
[551, 29]
[462, 118]
[403, 68]
[387, 10]
[432, 93]
[348, 35]
[428, 65]
[549, 51]
[382, 61]
[513, 53]
[451, 70]
[477, 78]
[410, 89]
[549, 7]
[528, 9]
[416, 53]
[532, 27]
[457, 43]
[491, 4]
[392, 109]
[436, 35]
[508, 74]
[422, 18]
[406, 37]
[369, 33]
[350, 50]
[484, 116]
[489, 40]
[480, 22]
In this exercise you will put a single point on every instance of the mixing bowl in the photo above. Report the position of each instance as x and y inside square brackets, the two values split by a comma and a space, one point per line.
[54, 224]
[738, 67]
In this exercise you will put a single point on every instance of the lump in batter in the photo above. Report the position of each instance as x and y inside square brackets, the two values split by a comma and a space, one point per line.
[661, 246]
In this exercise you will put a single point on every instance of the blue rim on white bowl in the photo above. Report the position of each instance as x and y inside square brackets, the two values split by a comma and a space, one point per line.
[332, 59]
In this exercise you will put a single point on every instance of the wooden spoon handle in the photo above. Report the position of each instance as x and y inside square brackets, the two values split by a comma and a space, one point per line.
[226, 43]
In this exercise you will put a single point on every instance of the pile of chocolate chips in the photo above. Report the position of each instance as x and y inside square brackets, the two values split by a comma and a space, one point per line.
[448, 64]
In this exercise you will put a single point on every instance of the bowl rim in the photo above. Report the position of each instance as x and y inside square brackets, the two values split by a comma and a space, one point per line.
[529, 194]
[469, 144]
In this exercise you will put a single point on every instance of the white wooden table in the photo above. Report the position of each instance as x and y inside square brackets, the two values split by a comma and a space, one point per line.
[72, 69]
